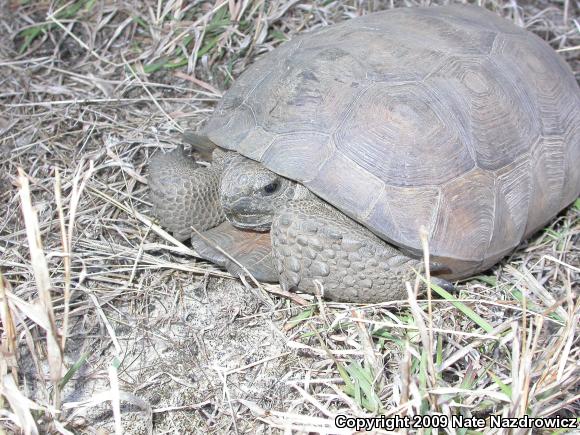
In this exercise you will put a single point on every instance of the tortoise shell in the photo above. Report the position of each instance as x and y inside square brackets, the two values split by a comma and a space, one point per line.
[447, 118]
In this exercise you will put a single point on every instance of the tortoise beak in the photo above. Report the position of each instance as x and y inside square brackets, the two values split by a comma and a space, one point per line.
[241, 214]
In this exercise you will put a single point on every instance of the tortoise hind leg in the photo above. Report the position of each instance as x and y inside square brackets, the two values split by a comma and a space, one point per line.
[313, 242]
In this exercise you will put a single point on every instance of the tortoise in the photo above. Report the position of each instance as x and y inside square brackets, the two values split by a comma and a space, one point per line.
[334, 151]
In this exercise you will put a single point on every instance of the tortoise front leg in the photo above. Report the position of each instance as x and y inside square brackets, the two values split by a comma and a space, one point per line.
[313, 242]
[186, 195]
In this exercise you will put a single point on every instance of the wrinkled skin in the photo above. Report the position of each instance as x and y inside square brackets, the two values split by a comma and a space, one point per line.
[251, 194]
[311, 246]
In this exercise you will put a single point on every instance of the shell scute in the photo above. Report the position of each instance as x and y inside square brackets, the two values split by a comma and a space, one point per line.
[474, 136]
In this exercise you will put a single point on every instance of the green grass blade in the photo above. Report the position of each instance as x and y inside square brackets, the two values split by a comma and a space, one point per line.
[490, 280]
[301, 317]
[74, 368]
[461, 307]
[506, 389]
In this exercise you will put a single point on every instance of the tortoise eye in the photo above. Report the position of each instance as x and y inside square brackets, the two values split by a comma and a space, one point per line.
[271, 188]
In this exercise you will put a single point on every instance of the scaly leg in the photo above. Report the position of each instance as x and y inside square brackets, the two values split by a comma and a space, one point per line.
[314, 242]
[185, 194]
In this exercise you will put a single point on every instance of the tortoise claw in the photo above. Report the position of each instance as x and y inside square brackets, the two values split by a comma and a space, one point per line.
[444, 284]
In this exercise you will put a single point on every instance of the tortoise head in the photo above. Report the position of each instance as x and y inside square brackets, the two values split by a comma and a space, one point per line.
[250, 193]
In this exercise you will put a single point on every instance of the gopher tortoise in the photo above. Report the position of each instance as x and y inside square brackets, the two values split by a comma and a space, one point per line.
[349, 142]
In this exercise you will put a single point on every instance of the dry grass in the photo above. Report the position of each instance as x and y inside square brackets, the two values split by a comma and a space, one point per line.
[110, 325]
